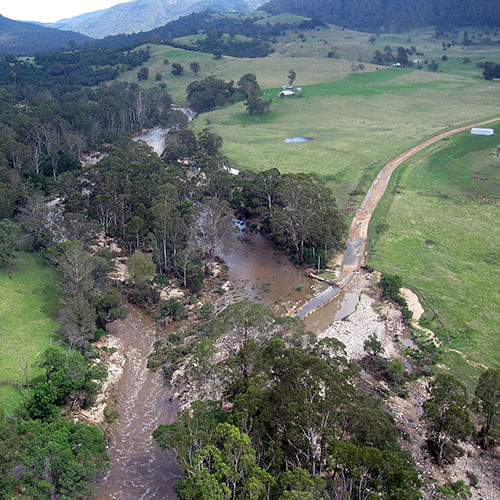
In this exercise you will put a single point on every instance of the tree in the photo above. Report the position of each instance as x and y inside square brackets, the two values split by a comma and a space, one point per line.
[76, 267]
[195, 67]
[487, 400]
[365, 472]
[305, 215]
[298, 484]
[140, 267]
[8, 241]
[209, 93]
[213, 226]
[143, 74]
[193, 430]
[250, 88]
[242, 321]
[77, 285]
[177, 69]
[61, 459]
[491, 70]
[226, 469]
[9, 450]
[170, 230]
[402, 56]
[373, 346]
[447, 416]
[291, 76]
[78, 324]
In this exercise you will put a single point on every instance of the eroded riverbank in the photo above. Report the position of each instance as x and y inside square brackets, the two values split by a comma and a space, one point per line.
[139, 469]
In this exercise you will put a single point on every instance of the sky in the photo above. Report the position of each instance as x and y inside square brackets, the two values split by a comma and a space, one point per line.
[48, 11]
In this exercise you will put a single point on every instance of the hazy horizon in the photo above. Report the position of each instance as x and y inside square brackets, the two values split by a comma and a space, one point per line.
[52, 10]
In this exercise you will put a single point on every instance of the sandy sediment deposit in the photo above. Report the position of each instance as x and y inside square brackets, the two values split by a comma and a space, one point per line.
[357, 327]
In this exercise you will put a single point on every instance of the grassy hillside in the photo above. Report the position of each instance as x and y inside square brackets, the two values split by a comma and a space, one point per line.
[436, 227]
[358, 124]
[271, 71]
[28, 303]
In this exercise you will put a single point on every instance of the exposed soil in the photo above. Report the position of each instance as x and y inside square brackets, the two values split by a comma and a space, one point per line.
[358, 231]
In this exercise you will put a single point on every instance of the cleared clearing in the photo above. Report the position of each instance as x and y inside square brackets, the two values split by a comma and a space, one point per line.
[28, 303]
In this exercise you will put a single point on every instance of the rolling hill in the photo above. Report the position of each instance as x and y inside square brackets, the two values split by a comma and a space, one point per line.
[145, 15]
[20, 38]
[392, 15]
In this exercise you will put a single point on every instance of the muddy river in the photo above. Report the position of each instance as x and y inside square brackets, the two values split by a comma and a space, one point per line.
[139, 469]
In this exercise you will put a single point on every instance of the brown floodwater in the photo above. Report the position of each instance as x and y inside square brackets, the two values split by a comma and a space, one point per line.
[342, 306]
[139, 469]
[260, 273]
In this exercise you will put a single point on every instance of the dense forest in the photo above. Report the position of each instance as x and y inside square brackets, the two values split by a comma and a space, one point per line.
[21, 38]
[392, 15]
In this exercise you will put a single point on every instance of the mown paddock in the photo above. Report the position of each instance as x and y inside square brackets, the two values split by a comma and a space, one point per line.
[436, 227]
[28, 304]
[359, 123]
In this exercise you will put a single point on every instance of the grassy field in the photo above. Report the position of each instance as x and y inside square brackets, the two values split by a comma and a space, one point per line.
[438, 228]
[271, 71]
[358, 123]
[28, 302]
[359, 120]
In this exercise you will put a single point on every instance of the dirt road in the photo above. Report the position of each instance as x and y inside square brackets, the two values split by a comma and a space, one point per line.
[358, 232]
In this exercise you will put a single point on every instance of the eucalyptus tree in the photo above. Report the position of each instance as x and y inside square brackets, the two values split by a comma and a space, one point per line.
[487, 401]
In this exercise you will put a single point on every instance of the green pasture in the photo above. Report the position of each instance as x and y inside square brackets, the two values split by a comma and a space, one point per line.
[437, 227]
[358, 123]
[28, 302]
[282, 18]
[271, 71]
[308, 57]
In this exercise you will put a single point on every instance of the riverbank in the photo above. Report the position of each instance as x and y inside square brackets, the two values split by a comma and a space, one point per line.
[138, 467]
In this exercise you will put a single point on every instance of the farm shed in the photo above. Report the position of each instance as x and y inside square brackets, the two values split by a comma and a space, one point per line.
[481, 131]
[286, 93]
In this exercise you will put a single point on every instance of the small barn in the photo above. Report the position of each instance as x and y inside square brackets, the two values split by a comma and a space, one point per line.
[286, 93]
[481, 131]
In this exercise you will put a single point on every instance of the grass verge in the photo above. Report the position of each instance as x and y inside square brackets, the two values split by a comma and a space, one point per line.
[436, 227]
[28, 302]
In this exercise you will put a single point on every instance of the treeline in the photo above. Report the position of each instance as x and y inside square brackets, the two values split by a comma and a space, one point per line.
[65, 71]
[200, 22]
[392, 15]
[217, 44]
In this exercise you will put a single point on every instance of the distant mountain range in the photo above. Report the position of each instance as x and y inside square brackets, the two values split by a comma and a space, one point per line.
[393, 15]
[145, 15]
[20, 38]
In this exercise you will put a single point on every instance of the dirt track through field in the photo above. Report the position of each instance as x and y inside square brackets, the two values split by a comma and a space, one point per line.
[358, 232]
[361, 221]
